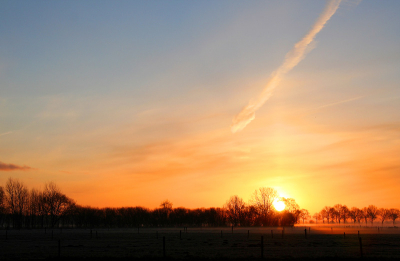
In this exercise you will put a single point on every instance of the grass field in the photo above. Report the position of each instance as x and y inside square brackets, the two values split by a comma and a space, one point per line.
[201, 243]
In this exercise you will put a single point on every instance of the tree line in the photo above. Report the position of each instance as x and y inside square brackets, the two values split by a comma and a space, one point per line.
[341, 213]
[21, 207]
[24, 208]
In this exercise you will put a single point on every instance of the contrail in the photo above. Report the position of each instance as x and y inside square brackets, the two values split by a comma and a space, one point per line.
[339, 102]
[293, 57]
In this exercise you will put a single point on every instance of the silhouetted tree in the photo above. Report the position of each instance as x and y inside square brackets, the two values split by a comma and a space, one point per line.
[2, 206]
[384, 213]
[304, 214]
[394, 214]
[354, 214]
[317, 217]
[250, 216]
[337, 212]
[166, 204]
[364, 214]
[372, 212]
[290, 205]
[263, 200]
[17, 199]
[344, 212]
[359, 215]
[324, 214]
[235, 208]
[55, 203]
[333, 214]
[34, 204]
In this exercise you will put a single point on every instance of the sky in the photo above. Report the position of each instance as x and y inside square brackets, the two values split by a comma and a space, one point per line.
[129, 103]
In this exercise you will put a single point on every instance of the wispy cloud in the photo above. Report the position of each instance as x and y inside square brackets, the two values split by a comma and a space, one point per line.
[293, 57]
[11, 167]
[6, 133]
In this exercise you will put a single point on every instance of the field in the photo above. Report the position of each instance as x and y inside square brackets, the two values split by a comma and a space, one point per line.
[202, 243]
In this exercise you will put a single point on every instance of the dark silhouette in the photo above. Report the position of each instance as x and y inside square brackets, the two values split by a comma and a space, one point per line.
[394, 214]
[17, 200]
[372, 213]
[23, 208]
[263, 200]
[235, 210]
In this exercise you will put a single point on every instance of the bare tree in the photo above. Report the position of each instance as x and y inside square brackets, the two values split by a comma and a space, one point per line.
[328, 213]
[304, 214]
[235, 207]
[290, 205]
[337, 212]
[324, 214]
[353, 214]
[34, 206]
[166, 204]
[17, 199]
[333, 213]
[55, 203]
[344, 213]
[2, 206]
[359, 214]
[394, 214]
[165, 211]
[364, 214]
[384, 213]
[372, 212]
[262, 199]
[2, 199]
[317, 216]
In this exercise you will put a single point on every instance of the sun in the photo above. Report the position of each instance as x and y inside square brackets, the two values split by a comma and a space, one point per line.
[279, 205]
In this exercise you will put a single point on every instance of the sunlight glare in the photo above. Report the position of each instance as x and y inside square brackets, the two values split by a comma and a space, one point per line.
[279, 205]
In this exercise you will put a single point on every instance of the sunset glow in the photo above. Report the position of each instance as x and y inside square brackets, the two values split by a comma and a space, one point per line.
[279, 205]
[129, 103]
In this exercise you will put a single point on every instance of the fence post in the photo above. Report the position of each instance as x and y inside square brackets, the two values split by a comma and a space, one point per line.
[361, 251]
[305, 233]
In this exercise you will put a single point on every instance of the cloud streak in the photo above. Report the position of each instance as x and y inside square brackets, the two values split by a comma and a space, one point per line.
[293, 57]
[6, 133]
[11, 167]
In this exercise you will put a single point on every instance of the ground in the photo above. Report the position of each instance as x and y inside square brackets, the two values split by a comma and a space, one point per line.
[317, 242]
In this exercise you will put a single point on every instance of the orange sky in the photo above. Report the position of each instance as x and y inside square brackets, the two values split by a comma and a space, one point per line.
[138, 110]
